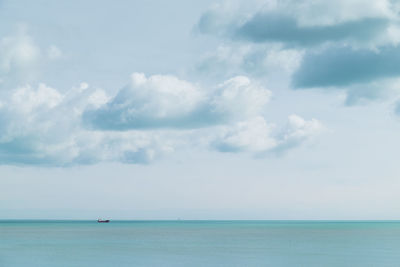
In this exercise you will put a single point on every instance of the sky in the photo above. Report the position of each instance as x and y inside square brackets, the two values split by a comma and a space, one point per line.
[257, 109]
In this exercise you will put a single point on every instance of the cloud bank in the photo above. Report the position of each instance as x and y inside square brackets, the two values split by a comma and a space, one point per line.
[148, 118]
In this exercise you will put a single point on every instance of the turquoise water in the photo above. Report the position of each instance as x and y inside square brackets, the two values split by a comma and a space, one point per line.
[199, 243]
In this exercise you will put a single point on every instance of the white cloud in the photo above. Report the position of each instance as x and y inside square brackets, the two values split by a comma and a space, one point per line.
[98, 98]
[297, 131]
[163, 96]
[43, 126]
[163, 101]
[26, 98]
[239, 97]
[258, 137]
[253, 135]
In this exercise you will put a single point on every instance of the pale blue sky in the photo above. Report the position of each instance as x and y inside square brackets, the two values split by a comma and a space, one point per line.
[229, 109]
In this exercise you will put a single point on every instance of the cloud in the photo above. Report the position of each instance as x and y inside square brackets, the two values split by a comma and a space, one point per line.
[397, 108]
[323, 12]
[345, 66]
[19, 55]
[257, 61]
[340, 45]
[303, 23]
[42, 126]
[252, 135]
[278, 28]
[377, 90]
[297, 131]
[21, 59]
[222, 18]
[260, 138]
[162, 101]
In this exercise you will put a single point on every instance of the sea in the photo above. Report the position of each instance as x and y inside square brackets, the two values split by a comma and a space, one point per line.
[199, 243]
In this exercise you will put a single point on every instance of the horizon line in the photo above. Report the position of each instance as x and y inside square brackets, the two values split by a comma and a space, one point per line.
[201, 220]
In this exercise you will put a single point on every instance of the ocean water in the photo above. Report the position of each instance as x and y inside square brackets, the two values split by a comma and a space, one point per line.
[199, 243]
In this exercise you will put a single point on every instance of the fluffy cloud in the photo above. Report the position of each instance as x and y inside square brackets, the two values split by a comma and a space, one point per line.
[257, 136]
[253, 135]
[163, 101]
[42, 126]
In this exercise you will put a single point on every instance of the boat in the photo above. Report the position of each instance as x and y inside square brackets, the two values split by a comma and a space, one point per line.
[103, 221]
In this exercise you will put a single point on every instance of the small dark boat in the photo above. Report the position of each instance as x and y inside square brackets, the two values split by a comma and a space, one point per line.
[103, 221]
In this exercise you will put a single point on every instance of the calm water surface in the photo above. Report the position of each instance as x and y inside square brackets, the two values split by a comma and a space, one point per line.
[199, 243]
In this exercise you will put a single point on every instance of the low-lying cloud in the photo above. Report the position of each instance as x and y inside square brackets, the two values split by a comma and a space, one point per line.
[150, 117]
